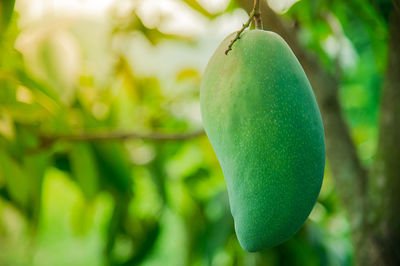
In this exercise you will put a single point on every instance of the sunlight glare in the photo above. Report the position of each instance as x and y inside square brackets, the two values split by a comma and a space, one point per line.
[281, 6]
[214, 6]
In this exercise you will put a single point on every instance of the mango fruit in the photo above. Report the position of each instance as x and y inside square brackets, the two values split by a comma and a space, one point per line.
[261, 117]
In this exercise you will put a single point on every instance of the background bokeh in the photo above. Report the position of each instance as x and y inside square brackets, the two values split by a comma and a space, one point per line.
[75, 67]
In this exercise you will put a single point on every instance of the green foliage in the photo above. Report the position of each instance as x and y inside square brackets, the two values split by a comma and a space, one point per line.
[140, 202]
[85, 169]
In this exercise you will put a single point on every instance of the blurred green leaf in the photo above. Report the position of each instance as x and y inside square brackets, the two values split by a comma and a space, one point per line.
[114, 167]
[6, 11]
[84, 169]
[36, 165]
[145, 245]
[16, 178]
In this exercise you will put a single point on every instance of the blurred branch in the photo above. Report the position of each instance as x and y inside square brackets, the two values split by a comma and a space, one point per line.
[350, 176]
[47, 140]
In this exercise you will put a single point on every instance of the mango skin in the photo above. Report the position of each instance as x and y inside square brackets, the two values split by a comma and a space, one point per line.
[261, 117]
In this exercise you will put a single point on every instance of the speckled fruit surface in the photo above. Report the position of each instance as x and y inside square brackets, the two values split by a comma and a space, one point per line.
[263, 122]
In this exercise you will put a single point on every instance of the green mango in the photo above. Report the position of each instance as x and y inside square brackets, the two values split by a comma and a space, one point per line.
[263, 122]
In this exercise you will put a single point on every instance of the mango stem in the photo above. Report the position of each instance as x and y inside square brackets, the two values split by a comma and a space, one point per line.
[254, 14]
[257, 15]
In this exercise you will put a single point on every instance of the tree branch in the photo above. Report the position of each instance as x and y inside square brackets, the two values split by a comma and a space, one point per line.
[384, 187]
[388, 156]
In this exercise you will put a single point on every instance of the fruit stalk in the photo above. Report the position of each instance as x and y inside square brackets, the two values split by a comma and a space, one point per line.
[254, 14]
[257, 15]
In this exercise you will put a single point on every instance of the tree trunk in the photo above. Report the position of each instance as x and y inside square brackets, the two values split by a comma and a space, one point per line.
[382, 233]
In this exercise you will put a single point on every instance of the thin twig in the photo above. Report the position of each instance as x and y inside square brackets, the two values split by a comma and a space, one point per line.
[254, 14]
